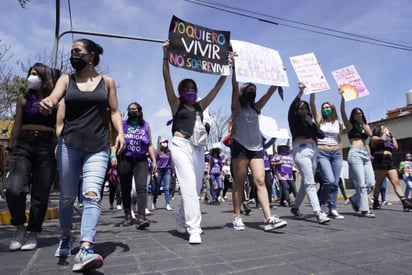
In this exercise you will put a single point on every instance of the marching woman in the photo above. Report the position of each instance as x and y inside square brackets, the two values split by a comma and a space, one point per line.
[187, 150]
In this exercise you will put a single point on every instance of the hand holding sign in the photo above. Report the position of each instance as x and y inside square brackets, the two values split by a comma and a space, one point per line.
[198, 48]
[350, 84]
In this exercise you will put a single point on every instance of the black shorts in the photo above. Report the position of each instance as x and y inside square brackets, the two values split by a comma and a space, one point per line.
[238, 151]
[383, 162]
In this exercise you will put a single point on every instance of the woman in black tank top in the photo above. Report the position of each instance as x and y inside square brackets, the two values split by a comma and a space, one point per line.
[382, 145]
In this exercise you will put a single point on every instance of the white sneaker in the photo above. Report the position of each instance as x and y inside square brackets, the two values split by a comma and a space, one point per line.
[18, 240]
[153, 206]
[322, 218]
[195, 238]
[147, 212]
[238, 224]
[168, 207]
[335, 214]
[386, 203]
[30, 243]
[119, 207]
[273, 223]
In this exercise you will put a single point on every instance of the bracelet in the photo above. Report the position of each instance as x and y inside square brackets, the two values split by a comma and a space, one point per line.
[113, 156]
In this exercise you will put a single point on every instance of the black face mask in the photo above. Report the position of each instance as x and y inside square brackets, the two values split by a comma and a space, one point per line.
[251, 96]
[132, 115]
[77, 61]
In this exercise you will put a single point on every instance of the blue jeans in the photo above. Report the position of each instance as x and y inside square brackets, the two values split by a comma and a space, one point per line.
[305, 156]
[362, 175]
[71, 163]
[407, 178]
[163, 179]
[214, 192]
[330, 165]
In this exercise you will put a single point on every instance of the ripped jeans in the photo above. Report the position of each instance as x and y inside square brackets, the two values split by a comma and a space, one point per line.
[71, 163]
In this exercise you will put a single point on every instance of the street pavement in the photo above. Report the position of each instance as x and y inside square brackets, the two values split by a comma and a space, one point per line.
[354, 245]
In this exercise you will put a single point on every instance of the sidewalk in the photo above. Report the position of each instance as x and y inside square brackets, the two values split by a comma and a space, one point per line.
[351, 246]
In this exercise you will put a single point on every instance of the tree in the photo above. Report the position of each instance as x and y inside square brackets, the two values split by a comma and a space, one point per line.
[23, 3]
[11, 86]
[218, 127]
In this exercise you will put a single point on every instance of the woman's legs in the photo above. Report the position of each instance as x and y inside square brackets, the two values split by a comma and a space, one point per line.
[187, 159]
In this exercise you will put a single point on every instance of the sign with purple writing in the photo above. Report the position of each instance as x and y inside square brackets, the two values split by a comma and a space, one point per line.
[308, 71]
[197, 48]
[258, 64]
[350, 82]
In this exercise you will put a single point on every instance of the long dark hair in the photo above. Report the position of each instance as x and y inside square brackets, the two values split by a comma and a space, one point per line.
[45, 74]
[352, 115]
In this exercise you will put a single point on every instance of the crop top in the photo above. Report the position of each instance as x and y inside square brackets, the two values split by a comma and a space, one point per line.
[32, 115]
[355, 133]
[184, 119]
[331, 131]
[39, 119]
[298, 127]
[384, 146]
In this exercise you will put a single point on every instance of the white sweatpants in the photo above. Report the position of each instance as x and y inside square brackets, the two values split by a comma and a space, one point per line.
[189, 165]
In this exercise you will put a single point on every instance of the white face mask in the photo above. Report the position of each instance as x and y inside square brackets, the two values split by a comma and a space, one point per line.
[34, 82]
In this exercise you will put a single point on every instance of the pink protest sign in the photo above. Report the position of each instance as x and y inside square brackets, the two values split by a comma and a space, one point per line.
[350, 82]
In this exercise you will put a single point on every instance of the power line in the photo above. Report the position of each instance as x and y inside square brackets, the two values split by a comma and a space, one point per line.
[315, 29]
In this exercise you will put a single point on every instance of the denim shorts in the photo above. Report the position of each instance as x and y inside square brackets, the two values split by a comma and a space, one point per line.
[238, 151]
[383, 162]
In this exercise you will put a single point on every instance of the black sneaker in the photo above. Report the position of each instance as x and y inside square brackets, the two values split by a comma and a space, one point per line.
[295, 211]
[354, 206]
[376, 204]
[142, 222]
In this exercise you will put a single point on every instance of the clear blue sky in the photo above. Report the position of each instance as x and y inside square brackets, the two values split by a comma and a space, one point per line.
[136, 66]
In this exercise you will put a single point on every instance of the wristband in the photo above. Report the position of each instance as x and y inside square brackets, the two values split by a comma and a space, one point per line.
[112, 156]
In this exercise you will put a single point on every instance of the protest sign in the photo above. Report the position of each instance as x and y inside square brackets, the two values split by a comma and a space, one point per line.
[258, 64]
[350, 82]
[198, 48]
[308, 71]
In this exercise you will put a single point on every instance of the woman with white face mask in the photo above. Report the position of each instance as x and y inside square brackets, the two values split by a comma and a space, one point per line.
[32, 162]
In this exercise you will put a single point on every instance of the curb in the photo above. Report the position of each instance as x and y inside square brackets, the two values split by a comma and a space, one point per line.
[52, 213]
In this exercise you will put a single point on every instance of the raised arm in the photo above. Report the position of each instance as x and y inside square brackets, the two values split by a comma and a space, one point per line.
[204, 103]
[315, 113]
[235, 90]
[346, 122]
[265, 98]
[170, 93]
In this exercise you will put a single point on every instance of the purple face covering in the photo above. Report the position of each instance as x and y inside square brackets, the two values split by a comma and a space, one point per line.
[190, 95]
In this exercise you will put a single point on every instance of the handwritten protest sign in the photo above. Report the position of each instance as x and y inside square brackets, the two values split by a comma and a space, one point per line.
[198, 48]
[309, 72]
[350, 82]
[258, 64]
